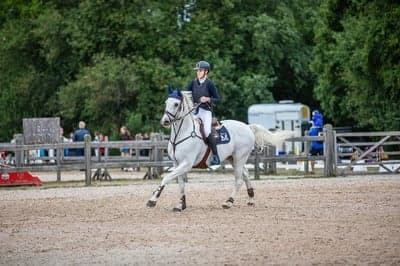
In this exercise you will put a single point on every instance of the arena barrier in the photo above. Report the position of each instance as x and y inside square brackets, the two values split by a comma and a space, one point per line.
[344, 154]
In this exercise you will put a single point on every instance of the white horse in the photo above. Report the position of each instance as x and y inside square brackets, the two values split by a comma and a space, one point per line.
[187, 148]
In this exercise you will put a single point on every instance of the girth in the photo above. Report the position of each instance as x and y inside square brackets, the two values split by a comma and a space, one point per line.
[202, 164]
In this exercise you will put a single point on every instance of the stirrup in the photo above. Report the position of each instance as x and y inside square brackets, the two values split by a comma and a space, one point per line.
[214, 160]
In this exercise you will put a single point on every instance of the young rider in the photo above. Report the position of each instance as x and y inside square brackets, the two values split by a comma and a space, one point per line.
[204, 93]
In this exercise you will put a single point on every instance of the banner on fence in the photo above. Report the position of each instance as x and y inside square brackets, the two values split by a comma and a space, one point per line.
[41, 130]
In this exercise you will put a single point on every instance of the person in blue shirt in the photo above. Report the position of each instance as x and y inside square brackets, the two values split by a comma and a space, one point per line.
[317, 119]
[79, 135]
[317, 147]
[205, 94]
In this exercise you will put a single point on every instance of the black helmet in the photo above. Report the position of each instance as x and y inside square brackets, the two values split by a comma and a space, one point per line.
[202, 65]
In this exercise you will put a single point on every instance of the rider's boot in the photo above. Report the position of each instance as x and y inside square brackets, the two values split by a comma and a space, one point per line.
[212, 142]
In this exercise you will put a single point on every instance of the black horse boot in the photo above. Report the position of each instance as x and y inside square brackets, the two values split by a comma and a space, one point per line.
[212, 142]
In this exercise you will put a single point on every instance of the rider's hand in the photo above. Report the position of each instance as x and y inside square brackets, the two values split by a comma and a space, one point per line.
[204, 99]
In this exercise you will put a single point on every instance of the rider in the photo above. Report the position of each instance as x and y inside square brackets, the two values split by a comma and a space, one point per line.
[205, 94]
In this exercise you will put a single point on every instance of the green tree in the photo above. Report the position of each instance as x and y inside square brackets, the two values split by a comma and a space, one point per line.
[109, 62]
[34, 63]
[101, 95]
[357, 63]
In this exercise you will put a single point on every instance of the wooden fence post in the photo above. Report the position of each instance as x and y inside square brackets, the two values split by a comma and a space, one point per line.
[157, 157]
[88, 155]
[59, 155]
[335, 155]
[256, 165]
[271, 152]
[19, 153]
[307, 152]
[329, 145]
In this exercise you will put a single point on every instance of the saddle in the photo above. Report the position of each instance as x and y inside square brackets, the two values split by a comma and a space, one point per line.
[219, 132]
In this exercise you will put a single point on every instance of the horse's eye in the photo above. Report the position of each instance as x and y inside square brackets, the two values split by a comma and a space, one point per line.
[176, 104]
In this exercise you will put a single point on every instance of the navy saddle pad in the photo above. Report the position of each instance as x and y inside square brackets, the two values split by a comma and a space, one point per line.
[223, 135]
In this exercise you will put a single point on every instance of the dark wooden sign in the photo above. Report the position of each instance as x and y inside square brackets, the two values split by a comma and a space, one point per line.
[41, 130]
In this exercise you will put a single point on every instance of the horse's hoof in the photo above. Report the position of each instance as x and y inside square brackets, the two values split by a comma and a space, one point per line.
[226, 206]
[177, 209]
[151, 203]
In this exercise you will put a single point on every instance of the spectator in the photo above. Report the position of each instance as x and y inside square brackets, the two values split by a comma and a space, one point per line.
[145, 152]
[3, 158]
[10, 157]
[99, 137]
[64, 139]
[317, 119]
[71, 137]
[139, 136]
[79, 135]
[317, 147]
[71, 151]
[125, 135]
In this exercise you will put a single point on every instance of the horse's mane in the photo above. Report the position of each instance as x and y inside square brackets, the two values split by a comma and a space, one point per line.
[188, 99]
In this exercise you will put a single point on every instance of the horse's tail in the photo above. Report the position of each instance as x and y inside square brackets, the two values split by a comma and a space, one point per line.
[265, 137]
[261, 135]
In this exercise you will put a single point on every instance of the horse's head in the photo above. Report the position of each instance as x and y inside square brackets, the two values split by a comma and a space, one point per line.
[173, 107]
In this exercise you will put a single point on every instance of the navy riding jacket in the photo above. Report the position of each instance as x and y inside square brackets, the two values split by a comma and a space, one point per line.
[207, 88]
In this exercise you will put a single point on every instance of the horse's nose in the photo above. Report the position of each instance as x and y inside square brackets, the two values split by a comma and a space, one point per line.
[165, 121]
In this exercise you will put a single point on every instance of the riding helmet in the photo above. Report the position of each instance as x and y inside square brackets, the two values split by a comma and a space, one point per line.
[202, 65]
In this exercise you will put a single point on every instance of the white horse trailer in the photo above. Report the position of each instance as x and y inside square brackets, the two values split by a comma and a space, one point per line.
[285, 115]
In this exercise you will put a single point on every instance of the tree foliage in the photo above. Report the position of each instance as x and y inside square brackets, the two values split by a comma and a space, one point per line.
[356, 61]
[109, 62]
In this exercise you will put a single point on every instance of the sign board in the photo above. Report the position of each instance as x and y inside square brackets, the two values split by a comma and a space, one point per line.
[41, 130]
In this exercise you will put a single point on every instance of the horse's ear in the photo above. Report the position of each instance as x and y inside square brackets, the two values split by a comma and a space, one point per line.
[170, 89]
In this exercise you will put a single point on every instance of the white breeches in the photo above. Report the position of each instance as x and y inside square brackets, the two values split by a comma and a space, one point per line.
[206, 117]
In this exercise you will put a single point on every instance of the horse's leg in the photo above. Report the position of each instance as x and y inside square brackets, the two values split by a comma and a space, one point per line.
[238, 170]
[250, 190]
[182, 202]
[179, 170]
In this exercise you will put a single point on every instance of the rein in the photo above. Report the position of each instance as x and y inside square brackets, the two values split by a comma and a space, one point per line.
[193, 134]
[169, 114]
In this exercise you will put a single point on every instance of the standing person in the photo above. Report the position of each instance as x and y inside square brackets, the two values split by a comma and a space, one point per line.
[125, 135]
[64, 139]
[317, 147]
[71, 137]
[79, 135]
[99, 137]
[145, 152]
[10, 158]
[317, 119]
[205, 94]
[71, 151]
